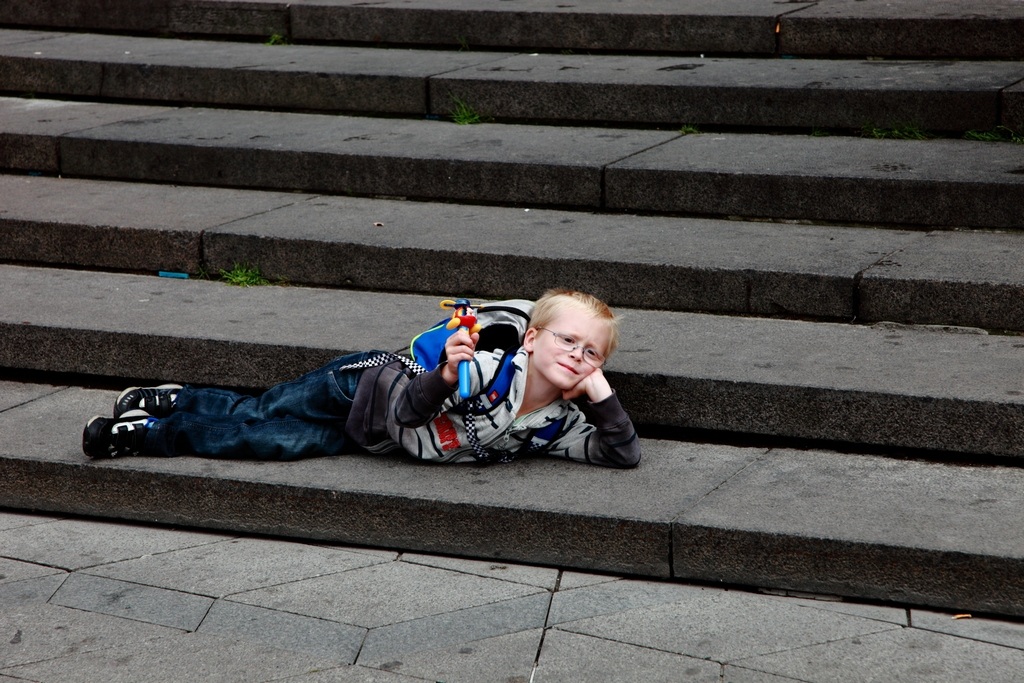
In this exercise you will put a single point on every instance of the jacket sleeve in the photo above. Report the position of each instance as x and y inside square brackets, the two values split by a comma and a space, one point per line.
[428, 394]
[602, 435]
[422, 399]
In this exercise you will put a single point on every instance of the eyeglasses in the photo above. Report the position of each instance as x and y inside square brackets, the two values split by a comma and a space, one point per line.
[563, 341]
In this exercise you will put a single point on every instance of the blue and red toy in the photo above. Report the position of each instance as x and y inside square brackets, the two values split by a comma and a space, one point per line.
[463, 317]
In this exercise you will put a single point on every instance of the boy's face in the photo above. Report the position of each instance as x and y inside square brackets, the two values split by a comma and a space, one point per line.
[560, 367]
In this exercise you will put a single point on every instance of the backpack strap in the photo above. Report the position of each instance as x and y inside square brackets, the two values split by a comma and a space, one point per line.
[496, 391]
[540, 438]
[493, 396]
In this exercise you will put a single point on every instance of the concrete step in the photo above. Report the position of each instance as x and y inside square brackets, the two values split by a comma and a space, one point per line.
[911, 28]
[971, 279]
[874, 386]
[816, 521]
[767, 176]
[937, 96]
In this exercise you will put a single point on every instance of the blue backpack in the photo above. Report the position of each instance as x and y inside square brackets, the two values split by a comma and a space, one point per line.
[502, 326]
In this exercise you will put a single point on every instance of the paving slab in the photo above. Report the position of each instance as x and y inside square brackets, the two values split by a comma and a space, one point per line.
[209, 570]
[893, 614]
[915, 28]
[12, 570]
[903, 655]
[540, 577]
[342, 155]
[356, 674]
[50, 631]
[500, 658]
[987, 630]
[293, 632]
[792, 511]
[733, 674]
[225, 73]
[13, 520]
[427, 637]
[388, 594]
[118, 225]
[733, 92]
[571, 604]
[571, 656]
[76, 544]
[30, 591]
[743, 26]
[908, 387]
[31, 127]
[724, 626]
[827, 178]
[186, 657]
[131, 601]
[931, 281]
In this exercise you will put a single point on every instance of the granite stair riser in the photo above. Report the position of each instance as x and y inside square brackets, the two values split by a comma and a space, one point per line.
[884, 387]
[877, 572]
[818, 413]
[763, 27]
[954, 96]
[787, 177]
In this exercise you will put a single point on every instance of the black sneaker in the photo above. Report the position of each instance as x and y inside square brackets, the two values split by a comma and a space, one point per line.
[157, 401]
[119, 437]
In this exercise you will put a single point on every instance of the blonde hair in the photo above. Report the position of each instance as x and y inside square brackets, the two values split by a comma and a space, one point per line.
[554, 301]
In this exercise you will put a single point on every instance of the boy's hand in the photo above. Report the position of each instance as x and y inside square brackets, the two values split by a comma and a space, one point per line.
[458, 347]
[594, 385]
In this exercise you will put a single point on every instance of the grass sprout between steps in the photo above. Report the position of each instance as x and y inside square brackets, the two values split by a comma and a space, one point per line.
[243, 275]
[463, 114]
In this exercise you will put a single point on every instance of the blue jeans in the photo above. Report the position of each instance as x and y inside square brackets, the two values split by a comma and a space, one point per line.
[302, 418]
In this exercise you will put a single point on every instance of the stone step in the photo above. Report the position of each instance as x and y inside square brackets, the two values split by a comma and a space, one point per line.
[885, 386]
[836, 273]
[860, 28]
[814, 521]
[886, 182]
[809, 93]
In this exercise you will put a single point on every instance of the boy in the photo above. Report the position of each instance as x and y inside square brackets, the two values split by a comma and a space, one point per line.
[375, 400]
